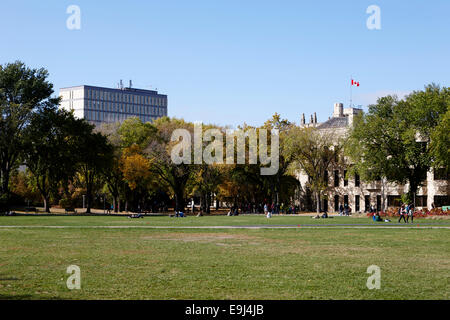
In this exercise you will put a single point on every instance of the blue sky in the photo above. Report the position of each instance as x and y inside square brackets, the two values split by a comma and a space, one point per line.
[229, 62]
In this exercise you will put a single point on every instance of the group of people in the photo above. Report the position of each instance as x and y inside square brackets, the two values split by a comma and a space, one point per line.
[274, 208]
[405, 213]
[344, 210]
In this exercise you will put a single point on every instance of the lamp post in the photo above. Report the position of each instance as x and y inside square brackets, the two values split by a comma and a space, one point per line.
[84, 201]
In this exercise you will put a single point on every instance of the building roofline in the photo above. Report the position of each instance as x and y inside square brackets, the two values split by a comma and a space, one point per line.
[126, 89]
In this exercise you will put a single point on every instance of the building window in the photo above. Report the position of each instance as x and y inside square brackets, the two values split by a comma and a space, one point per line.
[441, 174]
[357, 180]
[421, 201]
[336, 178]
[357, 209]
[394, 201]
[325, 205]
[366, 203]
[345, 178]
[440, 201]
[325, 177]
[336, 203]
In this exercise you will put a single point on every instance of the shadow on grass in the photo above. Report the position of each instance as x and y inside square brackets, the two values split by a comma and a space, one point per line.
[9, 279]
[27, 297]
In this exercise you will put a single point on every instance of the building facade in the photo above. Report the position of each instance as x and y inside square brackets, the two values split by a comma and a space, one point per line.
[360, 195]
[99, 105]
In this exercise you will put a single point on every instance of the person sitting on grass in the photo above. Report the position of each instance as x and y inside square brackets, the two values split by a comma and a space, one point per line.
[136, 215]
[376, 217]
[180, 214]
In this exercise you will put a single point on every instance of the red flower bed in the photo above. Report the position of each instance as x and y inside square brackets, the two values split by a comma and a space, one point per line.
[422, 213]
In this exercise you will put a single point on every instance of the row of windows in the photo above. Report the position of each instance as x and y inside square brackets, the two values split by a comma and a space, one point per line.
[124, 107]
[357, 208]
[114, 117]
[125, 97]
[337, 180]
[439, 174]
[396, 201]
[392, 201]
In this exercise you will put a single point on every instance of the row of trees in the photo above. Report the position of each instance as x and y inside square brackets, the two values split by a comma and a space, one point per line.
[48, 155]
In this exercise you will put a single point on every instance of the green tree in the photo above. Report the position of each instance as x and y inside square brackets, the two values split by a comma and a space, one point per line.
[282, 180]
[49, 150]
[175, 176]
[113, 175]
[22, 91]
[392, 139]
[314, 153]
[94, 156]
[440, 143]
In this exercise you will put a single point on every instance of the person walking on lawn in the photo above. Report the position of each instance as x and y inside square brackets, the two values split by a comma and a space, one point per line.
[402, 213]
[410, 214]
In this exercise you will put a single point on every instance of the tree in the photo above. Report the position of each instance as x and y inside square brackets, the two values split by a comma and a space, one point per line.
[282, 180]
[393, 139]
[174, 176]
[112, 174]
[22, 92]
[94, 156]
[136, 172]
[135, 132]
[440, 143]
[48, 149]
[313, 152]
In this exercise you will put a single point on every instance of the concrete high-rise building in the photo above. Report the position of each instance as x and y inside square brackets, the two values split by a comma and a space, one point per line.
[99, 105]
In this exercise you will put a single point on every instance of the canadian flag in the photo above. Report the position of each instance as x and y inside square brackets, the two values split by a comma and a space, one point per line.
[354, 83]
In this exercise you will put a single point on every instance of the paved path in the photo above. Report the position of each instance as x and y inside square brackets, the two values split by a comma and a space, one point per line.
[306, 226]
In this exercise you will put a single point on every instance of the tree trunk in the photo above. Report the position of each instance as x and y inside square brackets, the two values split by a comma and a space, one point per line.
[5, 188]
[318, 202]
[208, 202]
[179, 201]
[46, 203]
[5, 179]
[413, 186]
[88, 197]
[116, 203]
[201, 202]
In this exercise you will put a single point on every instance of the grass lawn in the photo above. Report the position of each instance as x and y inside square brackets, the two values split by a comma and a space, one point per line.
[242, 220]
[301, 263]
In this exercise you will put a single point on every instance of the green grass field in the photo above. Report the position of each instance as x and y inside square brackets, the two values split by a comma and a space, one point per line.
[185, 263]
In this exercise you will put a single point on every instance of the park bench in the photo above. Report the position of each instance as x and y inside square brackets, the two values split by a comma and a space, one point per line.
[67, 210]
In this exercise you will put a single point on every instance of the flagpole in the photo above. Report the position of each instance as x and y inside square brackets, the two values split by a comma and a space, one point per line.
[351, 85]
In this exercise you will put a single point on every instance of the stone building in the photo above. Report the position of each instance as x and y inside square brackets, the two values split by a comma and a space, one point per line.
[358, 194]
